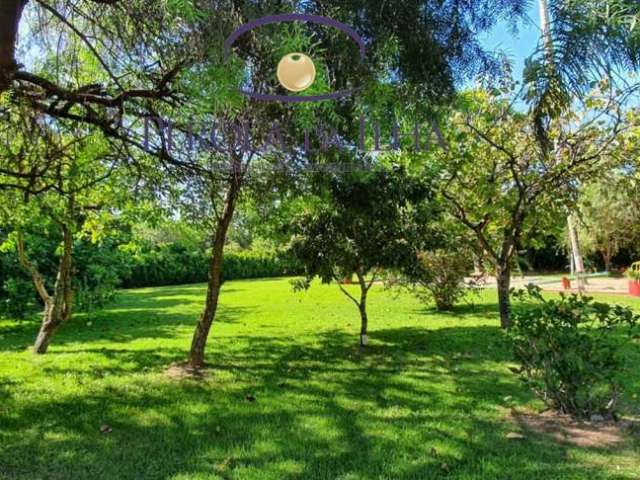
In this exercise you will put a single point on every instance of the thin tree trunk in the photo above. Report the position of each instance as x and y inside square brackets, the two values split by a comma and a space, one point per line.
[503, 278]
[607, 256]
[10, 14]
[362, 307]
[575, 251]
[545, 27]
[199, 341]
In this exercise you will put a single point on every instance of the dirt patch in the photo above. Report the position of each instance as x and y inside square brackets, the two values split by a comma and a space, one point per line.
[565, 429]
[180, 371]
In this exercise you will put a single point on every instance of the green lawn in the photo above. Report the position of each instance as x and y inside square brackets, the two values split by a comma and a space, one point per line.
[426, 400]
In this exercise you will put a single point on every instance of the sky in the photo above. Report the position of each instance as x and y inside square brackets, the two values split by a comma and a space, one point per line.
[516, 45]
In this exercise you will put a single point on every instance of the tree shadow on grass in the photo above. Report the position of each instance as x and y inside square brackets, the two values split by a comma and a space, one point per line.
[417, 404]
[136, 315]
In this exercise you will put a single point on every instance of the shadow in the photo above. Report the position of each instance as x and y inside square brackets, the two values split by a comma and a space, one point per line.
[137, 314]
[418, 403]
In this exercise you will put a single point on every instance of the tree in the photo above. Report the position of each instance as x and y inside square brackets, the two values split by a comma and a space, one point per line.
[114, 71]
[581, 44]
[49, 174]
[502, 185]
[608, 220]
[334, 55]
[360, 222]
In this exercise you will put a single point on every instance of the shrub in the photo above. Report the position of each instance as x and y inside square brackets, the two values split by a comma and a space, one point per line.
[569, 350]
[98, 271]
[439, 277]
[17, 298]
[173, 264]
[634, 272]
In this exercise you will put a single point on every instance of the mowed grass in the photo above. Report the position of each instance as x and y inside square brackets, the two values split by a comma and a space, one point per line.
[288, 395]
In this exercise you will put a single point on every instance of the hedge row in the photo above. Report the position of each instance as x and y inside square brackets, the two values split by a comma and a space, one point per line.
[174, 267]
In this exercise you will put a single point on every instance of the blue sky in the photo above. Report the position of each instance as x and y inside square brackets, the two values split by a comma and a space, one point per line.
[517, 45]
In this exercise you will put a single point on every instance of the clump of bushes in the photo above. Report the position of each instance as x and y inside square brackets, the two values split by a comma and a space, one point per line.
[100, 269]
[440, 278]
[569, 350]
[437, 276]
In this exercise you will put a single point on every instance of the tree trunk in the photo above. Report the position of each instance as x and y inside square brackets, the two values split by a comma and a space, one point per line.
[364, 322]
[575, 252]
[503, 278]
[10, 14]
[362, 307]
[199, 342]
[607, 256]
[576, 255]
[57, 308]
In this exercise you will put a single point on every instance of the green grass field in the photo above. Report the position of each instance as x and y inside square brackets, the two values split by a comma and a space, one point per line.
[426, 400]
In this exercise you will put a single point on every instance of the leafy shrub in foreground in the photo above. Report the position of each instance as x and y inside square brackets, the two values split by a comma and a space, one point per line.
[569, 349]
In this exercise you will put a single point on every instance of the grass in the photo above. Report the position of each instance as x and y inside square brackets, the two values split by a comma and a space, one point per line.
[428, 399]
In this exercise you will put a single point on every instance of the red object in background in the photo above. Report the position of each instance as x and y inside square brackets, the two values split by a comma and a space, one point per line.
[634, 288]
[566, 283]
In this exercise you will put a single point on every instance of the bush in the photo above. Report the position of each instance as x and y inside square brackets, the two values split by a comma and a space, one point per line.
[173, 264]
[634, 272]
[439, 277]
[17, 297]
[98, 269]
[569, 350]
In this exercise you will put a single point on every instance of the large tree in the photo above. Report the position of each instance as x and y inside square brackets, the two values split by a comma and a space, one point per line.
[581, 43]
[502, 185]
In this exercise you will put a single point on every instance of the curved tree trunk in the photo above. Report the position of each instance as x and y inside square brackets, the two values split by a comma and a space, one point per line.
[57, 307]
[199, 341]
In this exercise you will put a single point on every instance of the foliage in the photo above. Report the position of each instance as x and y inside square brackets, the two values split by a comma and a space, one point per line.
[175, 252]
[18, 298]
[439, 277]
[99, 268]
[608, 219]
[634, 271]
[362, 221]
[570, 352]
[175, 264]
[584, 42]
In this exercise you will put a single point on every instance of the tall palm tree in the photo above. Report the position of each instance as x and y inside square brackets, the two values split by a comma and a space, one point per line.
[582, 41]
